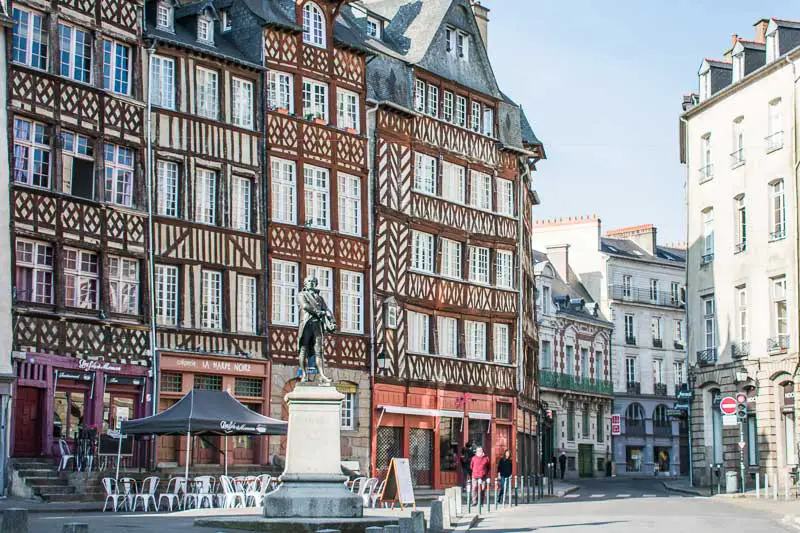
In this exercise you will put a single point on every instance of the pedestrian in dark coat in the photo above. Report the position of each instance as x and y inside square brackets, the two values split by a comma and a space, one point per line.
[504, 468]
[562, 463]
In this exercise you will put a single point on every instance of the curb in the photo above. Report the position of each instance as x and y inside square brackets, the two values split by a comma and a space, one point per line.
[48, 509]
[468, 525]
[568, 490]
[691, 492]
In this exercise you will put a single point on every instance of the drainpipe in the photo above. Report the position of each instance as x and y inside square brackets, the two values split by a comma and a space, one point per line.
[795, 166]
[372, 136]
[150, 251]
[520, 272]
[687, 322]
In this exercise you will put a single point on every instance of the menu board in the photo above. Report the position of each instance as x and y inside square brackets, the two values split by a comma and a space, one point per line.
[398, 486]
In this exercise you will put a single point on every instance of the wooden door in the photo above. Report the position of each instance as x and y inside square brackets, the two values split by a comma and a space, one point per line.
[167, 446]
[585, 456]
[27, 423]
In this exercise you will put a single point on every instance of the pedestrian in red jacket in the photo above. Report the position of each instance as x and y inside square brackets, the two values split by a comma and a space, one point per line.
[480, 470]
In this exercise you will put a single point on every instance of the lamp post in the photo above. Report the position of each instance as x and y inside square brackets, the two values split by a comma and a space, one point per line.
[382, 360]
[692, 379]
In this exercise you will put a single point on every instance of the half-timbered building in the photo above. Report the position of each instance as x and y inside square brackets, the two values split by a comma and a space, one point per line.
[78, 220]
[448, 201]
[208, 218]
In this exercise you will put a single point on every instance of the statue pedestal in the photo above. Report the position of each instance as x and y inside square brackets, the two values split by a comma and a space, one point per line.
[313, 483]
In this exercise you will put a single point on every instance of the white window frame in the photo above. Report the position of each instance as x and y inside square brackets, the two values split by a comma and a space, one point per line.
[422, 251]
[324, 277]
[349, 204]
[740, 214]
[315, 100]
[205, 29]
[284, 292]
[451, 258]
[480, 195]
[742, 325]
[462, 45]
[504, 260]
[774, 125]
[166, 293]
[418, 332]
[83, 278]
[35, 32]
[488, 121]
[461, 111]
[631, 374]
[211, 299]
[475, 117]
[242, 203]
[546, 300]
[168, 188]
[777, 210]
[162, 82]
[123, 284]
[448, 108]
[447, 329]
[246, 304]
[207, 93]
[432, 108]
[205, 196]
[425, 173]
[227, 20]
[284, 190]
[475, 340]
[165, 17]
[708, 232]
[348, 412]
[679, 372]
[373, 27]
[705, 85]
[502, 343]
[32, 157]
[352, 296]
[242, 105]
[280, 90]
[655, 328]
[72, 52]
[627, 286]
[75, 146]
[737, 156]
[780, 308]
[119, 169]
[314, 25]
[678, 330]
[347, 106]
[738, 66]
[709, 322]
[317, 193]
[479, 265]
[37, 258]
[116, 67]
[505, 197]
[419, 95]
[630, 326]
[453, 182]
[654, 290]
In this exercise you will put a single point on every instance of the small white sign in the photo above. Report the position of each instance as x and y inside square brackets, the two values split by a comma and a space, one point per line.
[729, 421]
[741, 445]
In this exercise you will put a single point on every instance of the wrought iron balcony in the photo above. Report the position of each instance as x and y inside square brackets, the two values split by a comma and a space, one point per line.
[777, 235]
[678, 388]
[706, 173]
[658, 343]
[707, 258]
[634, 387]
[707, 357]
[740, 247]
[634, 429]
[660, 389]
[629, 339]
[737, 158]
[662, 432]
[557, 380]
[778, 344]
[740, 350]
[774, 141]
[644, 295]
[678, 345]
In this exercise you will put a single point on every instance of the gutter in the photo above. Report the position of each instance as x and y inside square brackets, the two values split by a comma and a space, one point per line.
[795, 166]
[371, 148]
[150, 250]
[687, 322]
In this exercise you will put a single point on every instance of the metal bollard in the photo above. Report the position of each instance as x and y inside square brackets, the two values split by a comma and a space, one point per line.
[516, 494]
[758, 485]
[469, 497]
[480, 494]
[15, 520]
[75, 527]
[786, 487]
[496, 490]
[766, 487]
[775, 488]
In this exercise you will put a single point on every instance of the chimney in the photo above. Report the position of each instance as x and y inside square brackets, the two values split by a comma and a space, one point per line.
[482, 19]
[734, 38]
[643, 236]
[558, 255]
[761, 30]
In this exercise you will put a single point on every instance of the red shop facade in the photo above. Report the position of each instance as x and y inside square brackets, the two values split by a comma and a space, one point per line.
[56, 396]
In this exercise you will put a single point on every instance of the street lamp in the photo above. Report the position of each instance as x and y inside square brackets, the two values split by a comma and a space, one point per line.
[382, 360]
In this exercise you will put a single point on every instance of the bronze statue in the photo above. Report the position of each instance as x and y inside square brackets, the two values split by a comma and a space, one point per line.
[315, 320]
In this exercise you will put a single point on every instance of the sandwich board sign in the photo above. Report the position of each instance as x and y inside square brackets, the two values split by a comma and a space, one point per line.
[398, 487]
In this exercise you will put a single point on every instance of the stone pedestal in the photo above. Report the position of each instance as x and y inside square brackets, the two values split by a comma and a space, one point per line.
[313, 483]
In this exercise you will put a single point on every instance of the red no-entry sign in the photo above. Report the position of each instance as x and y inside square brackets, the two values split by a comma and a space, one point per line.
[728, 405]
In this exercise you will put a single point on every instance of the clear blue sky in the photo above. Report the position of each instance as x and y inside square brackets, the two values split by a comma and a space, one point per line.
[601, 83]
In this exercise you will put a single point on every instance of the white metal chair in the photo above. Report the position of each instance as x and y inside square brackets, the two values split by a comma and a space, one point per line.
[175, 487]
[66, 455]
[263, 486]
[112, 493]
[203, 492]
[366, 489]
[147, 494]
[377, 493]
[356, 485]
[129, 490]
[230, 496]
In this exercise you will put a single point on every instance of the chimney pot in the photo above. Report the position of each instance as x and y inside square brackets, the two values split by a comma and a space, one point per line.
[734, 38]
[481, 13]
[559, 257]
[761, 30]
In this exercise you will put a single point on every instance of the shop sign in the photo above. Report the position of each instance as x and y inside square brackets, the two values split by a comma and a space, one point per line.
[616, 425]
[124, 381]
[230, 427]
[218, 366]
[68, 374]
[91, 366]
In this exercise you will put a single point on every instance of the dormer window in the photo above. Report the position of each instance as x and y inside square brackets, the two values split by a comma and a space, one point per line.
[457, 43]
[227, 22]
[705, 85]
[313, 25]
[773, 51]
[374, 27]
[738, 67]
[165, 16]
[205, 30]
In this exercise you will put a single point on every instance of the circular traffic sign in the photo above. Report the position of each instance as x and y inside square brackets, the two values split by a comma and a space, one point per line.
[741, 398]
[728, 405]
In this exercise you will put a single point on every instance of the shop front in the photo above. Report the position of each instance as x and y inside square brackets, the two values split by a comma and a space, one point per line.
[61, 398]
[431, 427]
[246, 380]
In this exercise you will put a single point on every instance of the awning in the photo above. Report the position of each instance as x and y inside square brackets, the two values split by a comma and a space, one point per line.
[480, 416]
[417, 411]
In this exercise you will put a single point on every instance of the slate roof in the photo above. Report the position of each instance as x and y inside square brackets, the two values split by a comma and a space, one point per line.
[573, 290]
[273, 12]
[629, 250]
[413, 25]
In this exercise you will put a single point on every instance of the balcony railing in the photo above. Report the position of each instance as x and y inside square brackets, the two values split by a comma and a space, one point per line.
[778, 344]
[707, 258]
[662, 432]
[777, 235]
[557, 380]
[678, 345]
[737, 158]
[707, 357]
[678, 388]
[740, 247]
[629, 339]
[645, 296]
[660, 389]
[634, 387]
[634, 429]
[774, 141]
[740, 350]
[706, 173]
[658, 343]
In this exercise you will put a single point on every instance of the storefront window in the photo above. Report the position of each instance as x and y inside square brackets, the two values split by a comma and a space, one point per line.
[207, 382]
[171, 382]
[116, 408]
[479, 433]
[633, 458]
[449, 439]
[662, 459]
[68, 412]
[251, 387]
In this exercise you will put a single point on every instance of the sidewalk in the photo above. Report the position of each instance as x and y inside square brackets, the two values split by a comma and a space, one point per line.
[36, 506]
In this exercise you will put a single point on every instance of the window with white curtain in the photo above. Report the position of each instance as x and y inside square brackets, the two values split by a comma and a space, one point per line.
[505, 197]
[425, 174]
[451, 258]
[246, 299]
[709, 322]
[419, 96]
[166, 289]
[352, 294]
[31, 153]
[777, 199]
[76, 53]
[461, 111]
[211, 299]
[34, 272]
[242, 112]
[453, 182]
[242, 203]
[81, 279]
[433, 100]
[205, 209]
[488, 121]
[284, 190]
[313, 25]
[447, 108]
[505, 269]
[422, 251]
[31, 40]
[502, 343]
[349, 204]
[207, 85]
[123, 284]
[324, 277]
[162, 82]
[315, 100]
[119, 174]
[780, 311]
[448, 336]
[317, 196]
[284, 292]
[475, 339]
[347, 115]
[480, 195]
[475, 117]
[479, 264]
[418, 332]
[280, 91]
